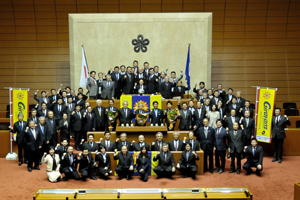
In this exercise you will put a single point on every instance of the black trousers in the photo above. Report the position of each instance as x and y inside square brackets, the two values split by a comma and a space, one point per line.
[247, 166]
[88, 172]
[78, 136]
[71, 174]
[210, 155]
[43, 150]
[93, 97]
[84, 136]
[103, 171]
[22, 147]
[144, 175]
[220, 155]
[100, 127]
[33, 157]
[236, 155]
[121, 171]
[188, 171]
[278, 148]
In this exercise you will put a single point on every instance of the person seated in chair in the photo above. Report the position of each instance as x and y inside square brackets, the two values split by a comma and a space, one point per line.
[87, 165]
[158, 144]
[125, 165]
[176, 144]
[141, 88]
[187, 163]
[123, 142]
[254, 154]
[166, 166]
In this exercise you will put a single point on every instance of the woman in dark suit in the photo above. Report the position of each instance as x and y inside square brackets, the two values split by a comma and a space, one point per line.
[143, 163]
[104, 163]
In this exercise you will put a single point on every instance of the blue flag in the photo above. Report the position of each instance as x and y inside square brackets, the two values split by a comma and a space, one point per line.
[187, 69]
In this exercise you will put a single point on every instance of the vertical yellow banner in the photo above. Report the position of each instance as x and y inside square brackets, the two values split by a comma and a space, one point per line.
[20, 104]
[264, 113]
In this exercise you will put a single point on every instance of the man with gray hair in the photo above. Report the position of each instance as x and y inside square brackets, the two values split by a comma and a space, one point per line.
[157, 145]
[123, 142]
[51, 133]
[125, 114]
[176, 144]
[239, 100]
[99, 112]
[108, 88]
[140, 110]
[19, 128]
[166, 166]
[92, 85]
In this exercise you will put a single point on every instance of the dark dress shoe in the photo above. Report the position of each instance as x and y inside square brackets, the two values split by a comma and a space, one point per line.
[211, 171]
[20, 163]
[193, 177]
[158, 177]
[257, 173]
[40, 163]
[221, 171]
[205, 171]
[26, 161]
[249, 172]
[37, 168]
[128, 178]
[120, 177]
[274, 160]
[238, 171]
[29, 169]
[65, 179]
[94, 178]
[231, 171]
[217, 170]
[279, 161]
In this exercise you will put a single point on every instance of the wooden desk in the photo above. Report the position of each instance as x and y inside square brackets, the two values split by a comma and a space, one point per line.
[297, 191]
[140, 129]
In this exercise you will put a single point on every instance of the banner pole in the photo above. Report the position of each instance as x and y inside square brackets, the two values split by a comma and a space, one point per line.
[10, 118]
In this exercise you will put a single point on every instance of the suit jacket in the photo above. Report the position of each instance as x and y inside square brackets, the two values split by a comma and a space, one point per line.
[165, 164]
[40, 100]
[93, 86]
[100, 120]
[191, 161]
[142, 163]
[236, 143]
[179, 148]
[128, 83]
[124, 162]
[118, 145]
[32, 143]
[182, 89]
[64, 129]
[278, 129]
[145, 87]
[51, 129]
[207, 144]
[69, 111]
[87, 145]
[20, 132]
[77, 121]
[117, 82]
[228, 122]
[220, 140]
[123, 118]
[86, 162]
[214, 101]
[80, 102]
[111, 146]
[66, 165]
[36, 121]
[40, 113]
[99, 157]
[155, 147]
[166, 92]
[60, 150]
[185, 121]
[139, 76]
[43, 132]
[89, 122]
[51, 99]
[250, 129]
[222, 111]
[242, 113]
[152, 84]
[237, 108]
[198, 117]
[257, 158]
[57, 114]
[156, 119]
[240, 102]
[228, 98]
[137, 147]
[49, 160]
[108, 92]
[195, 146]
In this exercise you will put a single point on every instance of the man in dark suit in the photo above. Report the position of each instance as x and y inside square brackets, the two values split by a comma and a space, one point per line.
[87, 165]
[69, 165]
[166, 166]
[246, 108]
[206, 103]
[187, 163]
[91, 146]
[169, 108]
[180, 88]
[234, 106]
[239, 100]
[249, 127]
[141, 143]
[278, 133]
[113, 109]
[59, 108]
[221, 108]
[99, 112]
[161, 80]
[152, 82]
[61, 149]
[125, 114]
[44, 111]
[229, 96]
[51, 133]
[135, 67]
[176, 144]
[202, 88]
[140, 88]
[34, 116]
[70, 106]
[235, 146]
[220, 146]
[53, 96]
[89, 122]
[185, 117]
[42, 128]
[116, 78]
[158, 144]
[156, 115]
[125, 165]
[166, 89]
[139, 111]
[254, 154]
[193, 143]
[80, 101]
[19, 128]
[77, 125]
[109, 145]
[146, 69]
[128, 82]
[206, 137]
[34, 141]
[41, 99]
[64, 127]
[216, 98]
[199, 116]
[228, 121]
[99, 84]
[123, 142]
[108, 88]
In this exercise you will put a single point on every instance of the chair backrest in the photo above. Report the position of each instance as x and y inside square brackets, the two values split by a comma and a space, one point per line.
[4, 126]
[291, 112]
[252, 105]
[298, 124]
[289, 105]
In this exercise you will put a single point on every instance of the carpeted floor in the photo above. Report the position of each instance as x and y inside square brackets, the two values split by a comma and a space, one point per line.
[276, 183]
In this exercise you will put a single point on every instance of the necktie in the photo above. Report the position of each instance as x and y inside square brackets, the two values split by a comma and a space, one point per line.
[78, 113]
[44, 111]
[218, 133]
[187, 156]
[126, 113]
[54, 97]
[33, 133]
[232, 119]
[107, 84]
[70, 107]
[111, 108]
[107, 145]
[88, 159]
[277, 120]
[192, 143]
[238, 100]
[234, 134]
[185, 114]
[91, 144]
[54, 164]
[21, 124]
[42, 128]
[199, 112]
[117, 76]
[66, 124]
[176, 145]
[90, 116]
[247, 120]
[166, 85]
[99, 110]
[71, 161]
[253, 151]
[165, 154]
[94, 81]
[140, 112]
[159, 146]
[205, 131]
[155, 110]
[179, 89]
[59, 108]
[51, 122]
[234, 106]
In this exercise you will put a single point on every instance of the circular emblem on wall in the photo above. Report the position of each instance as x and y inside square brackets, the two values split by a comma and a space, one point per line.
[140, 44]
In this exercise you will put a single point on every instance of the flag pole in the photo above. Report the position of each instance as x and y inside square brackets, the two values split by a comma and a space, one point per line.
[190, 80]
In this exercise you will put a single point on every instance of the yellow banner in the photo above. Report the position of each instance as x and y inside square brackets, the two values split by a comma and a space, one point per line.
[265, 108]
[20, 104]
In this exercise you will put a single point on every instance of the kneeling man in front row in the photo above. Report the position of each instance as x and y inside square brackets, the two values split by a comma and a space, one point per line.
[254, 154]
[166, 166]
[125, 165]
[187, 163]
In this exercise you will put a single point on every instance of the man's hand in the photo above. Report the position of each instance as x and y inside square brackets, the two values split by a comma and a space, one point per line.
[117, 139]
[241, 109]
[65, 123]
[95, 164]
[53, 102]
[165, 111]
[9, 127]
[125, 76]
[141, 170]
[105, 168]
[285, 116]
[82, 140]
[64, 154]
[252, 136]
[228, 149]
[27, 128]
[84, 114]
[101, 139]
[40, 147]
[73, 112]
[167, 69]
[173, 169]
[156, 80]
[96, 151]
[178, 166]
[57, 145]
[94, 129]
[47, 142]
[215, 148]
[227, 102]
[242, 118]
[44, 154]
[242, 126]
[194, 153]
[131, 168]
[195, 127]
[190, 127]
[245, 147]
[37, 91]
[151, 111]
[113, 98]
[196, 85]
[80, 154]
[106, 110]
[116, 150]
[135, 84]
[259, 167]
[227, 129]
[184, 139]
[153, 143]
[132, 142]
[179, 102]
[158, 153]
[181, 72]
[224, 116]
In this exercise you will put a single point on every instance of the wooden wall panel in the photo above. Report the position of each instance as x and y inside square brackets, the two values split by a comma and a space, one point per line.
[255, 42]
